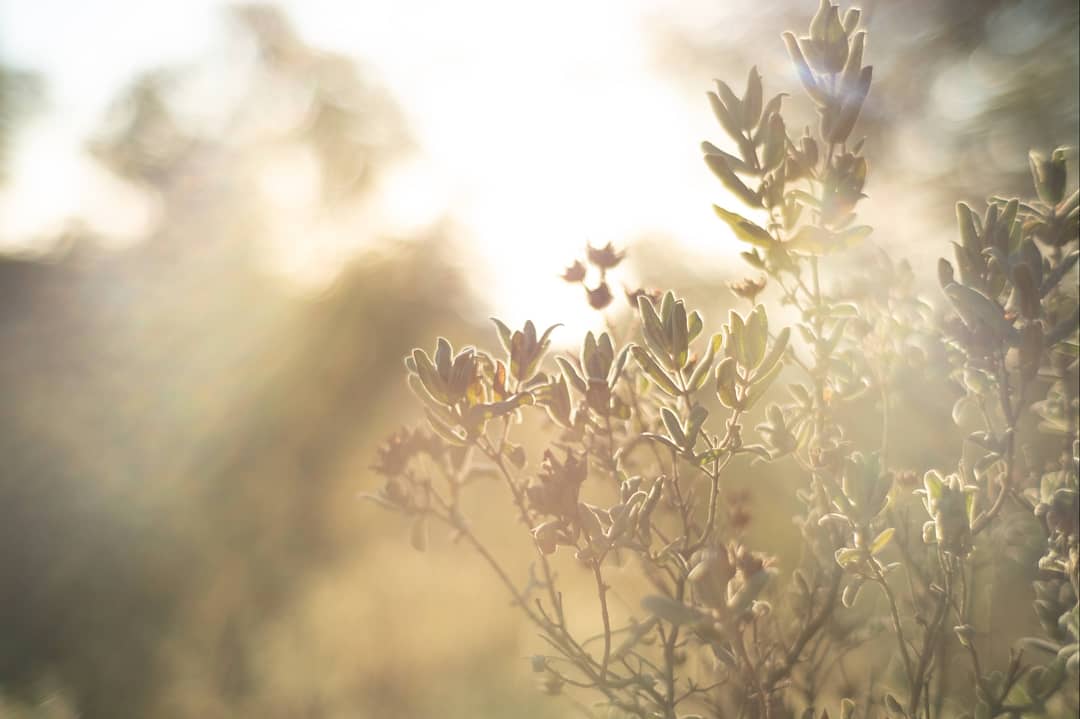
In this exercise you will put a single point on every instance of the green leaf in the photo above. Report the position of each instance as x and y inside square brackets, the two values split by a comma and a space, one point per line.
[735, 345]
[680, 336]
[751, 104]
[744, 229]
[725, 117]
[755, 337]
[969, 238]
[853, 236]
[662, 439]
[483, 412]
[674, 428]
[853, 102]
[847, 556]
[811, 240]
[760, 386]
[651, 327]
[698, 415]
[934, 484]
[444, 430]
[731, 181]
[755, 449]
[571, 373]
[709, 456]
[975, 308]
[430, 377]
[775, 354]
[881, 540]
[735, 163]
[694, 325]
[726, 375]
[667, 307]
[543, 341]
[504, 333]
[654, 371]
[731, 102]
[853, 67]
[617, 366]
[671, 610]
[851, 20]
[588, 355]
[806, 76]
[701, 369]
[775, 143]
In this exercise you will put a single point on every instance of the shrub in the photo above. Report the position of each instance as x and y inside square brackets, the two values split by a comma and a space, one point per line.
[653, 426]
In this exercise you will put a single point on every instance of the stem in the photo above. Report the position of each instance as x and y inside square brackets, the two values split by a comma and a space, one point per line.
[895, 614]
[669, 657]
[601, 589]
[933, 631]
[752, 669]
[809, 630]
[984, 519]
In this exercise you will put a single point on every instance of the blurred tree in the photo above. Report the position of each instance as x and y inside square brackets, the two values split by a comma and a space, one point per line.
[176, 425]
[20, 93]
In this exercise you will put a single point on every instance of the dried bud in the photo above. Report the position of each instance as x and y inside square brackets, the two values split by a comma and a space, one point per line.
[599, 297]
[606, 257]
[575, 272]
[748, 289]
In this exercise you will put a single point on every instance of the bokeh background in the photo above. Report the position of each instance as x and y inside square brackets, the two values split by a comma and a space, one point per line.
[223, 225]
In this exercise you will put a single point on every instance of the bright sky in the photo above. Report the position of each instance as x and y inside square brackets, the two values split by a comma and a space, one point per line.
[541, 125]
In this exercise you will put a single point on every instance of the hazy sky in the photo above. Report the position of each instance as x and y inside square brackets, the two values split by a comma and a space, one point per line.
[541, 125]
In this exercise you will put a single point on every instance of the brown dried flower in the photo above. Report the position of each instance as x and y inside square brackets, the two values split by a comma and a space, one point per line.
[606, 257]
[600, 297]
[575, 272]
[747, 288]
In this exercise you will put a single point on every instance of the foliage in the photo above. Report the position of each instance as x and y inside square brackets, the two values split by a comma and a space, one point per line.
[645, 433]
